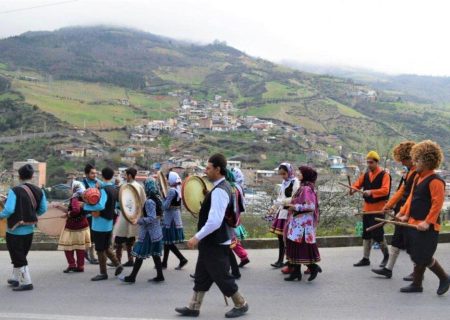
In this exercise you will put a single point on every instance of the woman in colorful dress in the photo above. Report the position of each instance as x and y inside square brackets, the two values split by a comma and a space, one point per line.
[149, 241]
[76, 236]
[173, 226]
[300, 232]
[289, 187]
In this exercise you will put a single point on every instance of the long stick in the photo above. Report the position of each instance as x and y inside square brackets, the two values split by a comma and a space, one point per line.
[374, 212]
[226, 301]
[350, 187]
[375, 226]
[402, 224]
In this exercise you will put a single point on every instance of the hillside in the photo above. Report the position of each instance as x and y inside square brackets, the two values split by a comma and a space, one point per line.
[80, 75]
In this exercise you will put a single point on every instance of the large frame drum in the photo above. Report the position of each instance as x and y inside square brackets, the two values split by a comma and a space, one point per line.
[194, 189]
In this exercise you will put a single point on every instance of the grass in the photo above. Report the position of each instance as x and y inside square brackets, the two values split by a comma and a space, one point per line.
[345, 110]
[93, 104]
[276, 90]
[191, 75]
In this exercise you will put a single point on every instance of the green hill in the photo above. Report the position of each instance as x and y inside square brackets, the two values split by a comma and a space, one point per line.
[81, 73]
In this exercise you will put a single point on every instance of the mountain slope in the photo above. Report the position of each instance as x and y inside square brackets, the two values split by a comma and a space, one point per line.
[334, 111]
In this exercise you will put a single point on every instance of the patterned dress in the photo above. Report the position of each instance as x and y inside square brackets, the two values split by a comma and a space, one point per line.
[284, 198]
[172, 225]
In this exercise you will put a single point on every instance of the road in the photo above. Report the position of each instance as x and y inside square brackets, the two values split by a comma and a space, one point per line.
[340, 292]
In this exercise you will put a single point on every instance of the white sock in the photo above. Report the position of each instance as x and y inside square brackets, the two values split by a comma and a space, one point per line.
[393, 257]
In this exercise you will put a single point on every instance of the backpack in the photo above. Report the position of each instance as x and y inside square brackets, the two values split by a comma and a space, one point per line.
[233, 213]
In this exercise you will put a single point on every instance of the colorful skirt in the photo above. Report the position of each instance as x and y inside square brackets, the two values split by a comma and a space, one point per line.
[278, 226]
[302, 253]
[147, 248]
[74, 239]
[173, 234]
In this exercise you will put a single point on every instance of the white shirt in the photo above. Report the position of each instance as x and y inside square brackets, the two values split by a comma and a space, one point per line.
[219, 203]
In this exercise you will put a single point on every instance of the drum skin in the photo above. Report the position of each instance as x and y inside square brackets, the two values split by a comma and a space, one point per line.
[130, 203]
[52, 222]
[193, 190]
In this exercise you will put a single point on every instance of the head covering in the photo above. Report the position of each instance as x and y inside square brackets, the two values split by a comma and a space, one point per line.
[373, 155]
[309, 175]
[238, 176]
[174, 181]
[77, 188]
[150, 187]
[290, 171]
[229, 176]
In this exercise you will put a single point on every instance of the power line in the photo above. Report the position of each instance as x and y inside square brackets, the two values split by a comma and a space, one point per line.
[39, 6]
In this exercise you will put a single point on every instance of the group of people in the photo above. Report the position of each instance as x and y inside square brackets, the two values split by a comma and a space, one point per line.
[92, 214]
[417, 202]
[295, 216]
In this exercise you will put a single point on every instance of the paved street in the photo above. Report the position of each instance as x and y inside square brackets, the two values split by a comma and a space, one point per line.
[341, 291]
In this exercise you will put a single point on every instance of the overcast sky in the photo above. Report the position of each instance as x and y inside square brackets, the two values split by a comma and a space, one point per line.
[394, 36]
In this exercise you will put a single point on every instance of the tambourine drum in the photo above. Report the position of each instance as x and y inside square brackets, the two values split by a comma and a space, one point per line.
[163, 185]
[52, 222]
[2, 221]
[193, 193]
[130, 203]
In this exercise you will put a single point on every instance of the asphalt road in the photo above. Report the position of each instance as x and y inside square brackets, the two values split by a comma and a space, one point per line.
[340, 292]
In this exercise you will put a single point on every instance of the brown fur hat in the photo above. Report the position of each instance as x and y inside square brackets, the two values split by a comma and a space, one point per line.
[429, 152]
[403, 151]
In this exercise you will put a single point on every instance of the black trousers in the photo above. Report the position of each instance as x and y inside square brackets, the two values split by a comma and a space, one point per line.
[102, 240]
[213, 266]
[369, 220]
[422, 245]
[18, 248]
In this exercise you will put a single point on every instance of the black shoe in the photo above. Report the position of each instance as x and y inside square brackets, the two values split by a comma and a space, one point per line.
[192, 276]
[277, 265]
[13, 283]
[243, 263]
[24, 287]
[100, 277]
[110, 264]
[237, 312]
[157, 279]
[119, 270]
[70, 269]
[182, 264]
[443, 286]
[408, 277]
[362, 263]
[384, 261]
[186, 312]
[128, 264]
[293, 277]
[127, 279]
[383, 272]
[315, 270]
[411, 288]
[236, 276]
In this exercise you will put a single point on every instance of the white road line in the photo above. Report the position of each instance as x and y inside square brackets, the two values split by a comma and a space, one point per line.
[36, 316]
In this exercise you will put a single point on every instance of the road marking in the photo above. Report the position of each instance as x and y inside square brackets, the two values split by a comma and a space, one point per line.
[37, 316]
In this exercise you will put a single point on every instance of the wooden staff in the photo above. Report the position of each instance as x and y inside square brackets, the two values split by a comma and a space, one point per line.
[349, 181]
[375, 226]
[350, 187]
[398, 223]
[375, 212]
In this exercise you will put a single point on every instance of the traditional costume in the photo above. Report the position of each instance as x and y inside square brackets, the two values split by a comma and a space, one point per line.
[90, 183]
[378, 183]
[422, 209]
[402, 154]
[76, 236]
[125, 233]
[23, 206]
[289, 187]
[149, 241]
[102, 226]
[172, 224]
[213, 234]
[300, 232]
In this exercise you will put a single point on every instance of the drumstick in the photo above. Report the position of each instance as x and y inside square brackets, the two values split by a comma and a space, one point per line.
[376, 226]
[350, 187]
[402, 224]
[349, 181]
[374, 212]
[226, 301]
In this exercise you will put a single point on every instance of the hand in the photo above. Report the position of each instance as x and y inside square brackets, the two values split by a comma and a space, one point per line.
[423, 226]
[403, 218]
[386, 208]
[192, 243]
[367, 193]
